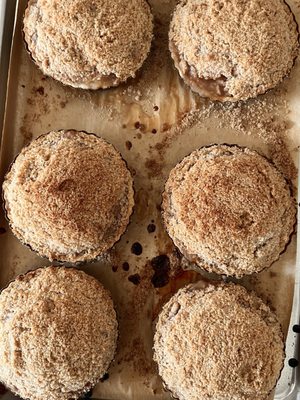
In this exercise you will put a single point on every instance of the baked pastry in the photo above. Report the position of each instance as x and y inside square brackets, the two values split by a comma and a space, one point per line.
[229, 210]
[230, 50]
[219, 342]
[58, 334]
[88, 44]
[69, 196]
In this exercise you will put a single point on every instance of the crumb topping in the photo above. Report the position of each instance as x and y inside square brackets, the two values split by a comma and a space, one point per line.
[86, 43]
[58, 331]
[228, 209]
[233, 50]
[69, 196]
[220, 342]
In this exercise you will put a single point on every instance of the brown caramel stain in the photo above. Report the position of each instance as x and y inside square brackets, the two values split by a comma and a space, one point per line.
[151, 228]
[165, 127]
[137, 249]
[161, 267]
[40, 90]
[135, 279]
[154, 167]
[27, 135]
[125, 266]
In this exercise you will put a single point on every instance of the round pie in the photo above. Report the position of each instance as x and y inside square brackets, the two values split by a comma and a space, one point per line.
[230, 50]
[229, 210]
[69, 196]
[218, 342]
[58, 334]
[88, 44]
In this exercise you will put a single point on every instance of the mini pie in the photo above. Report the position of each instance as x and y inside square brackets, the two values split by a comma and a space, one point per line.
[229, 210]
[69, 196]
[232, 50]
[219, 342]
[88, 44]
[58, 334]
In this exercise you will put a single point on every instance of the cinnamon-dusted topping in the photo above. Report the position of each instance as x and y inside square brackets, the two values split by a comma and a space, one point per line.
[69, 195]
[58, 334]
[232, 50]
[229, 210]
[220, 343]
[88, 43]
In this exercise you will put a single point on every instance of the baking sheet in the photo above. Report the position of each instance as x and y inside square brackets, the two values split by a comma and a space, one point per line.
[154, 121]
[7, 13]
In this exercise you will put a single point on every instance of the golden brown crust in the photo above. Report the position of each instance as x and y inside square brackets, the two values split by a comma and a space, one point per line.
[229, 210]
[58, 333]
[233, 50]
[218, 342]
[88, 44]
[69, 196]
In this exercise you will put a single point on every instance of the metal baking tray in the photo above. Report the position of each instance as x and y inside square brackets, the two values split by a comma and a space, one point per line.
[154, 121]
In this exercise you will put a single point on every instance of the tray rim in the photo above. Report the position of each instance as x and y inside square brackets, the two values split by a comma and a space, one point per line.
[7, 26]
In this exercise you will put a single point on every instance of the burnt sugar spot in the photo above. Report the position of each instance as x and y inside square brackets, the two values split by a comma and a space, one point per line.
[2, 230]
[161, 267]
[88, 395]
[137, 249]
[114, 268]
[135, 279]
[155, 108]
[128, 144]
[138, 125]
[125, 266]
[104, 377]
[151, 228]
[154, 131]
[40, 90]
[142, 127]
